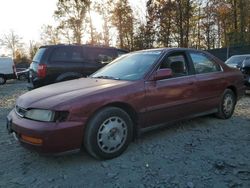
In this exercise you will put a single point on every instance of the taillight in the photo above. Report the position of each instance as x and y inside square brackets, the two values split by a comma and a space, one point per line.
[41, 70]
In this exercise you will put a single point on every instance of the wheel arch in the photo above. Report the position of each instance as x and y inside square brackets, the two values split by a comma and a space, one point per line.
[128, 109]
[234, 89]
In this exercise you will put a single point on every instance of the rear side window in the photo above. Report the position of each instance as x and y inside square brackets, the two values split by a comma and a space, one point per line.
[39, 54]
[202, 64]
[100, 55]
[70, 54]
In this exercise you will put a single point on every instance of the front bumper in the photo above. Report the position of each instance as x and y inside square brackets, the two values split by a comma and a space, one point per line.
[53, 137]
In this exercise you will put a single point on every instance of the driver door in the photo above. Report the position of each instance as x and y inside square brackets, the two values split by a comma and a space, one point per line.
[172, 98]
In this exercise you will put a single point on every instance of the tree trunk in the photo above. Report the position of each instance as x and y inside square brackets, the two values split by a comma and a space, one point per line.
[234, 3]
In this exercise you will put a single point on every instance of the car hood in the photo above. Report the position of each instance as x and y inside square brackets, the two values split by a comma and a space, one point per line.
[52, 95]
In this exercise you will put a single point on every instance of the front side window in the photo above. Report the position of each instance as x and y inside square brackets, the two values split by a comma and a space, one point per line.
[100, 55]
[177, 63]
[202, 64]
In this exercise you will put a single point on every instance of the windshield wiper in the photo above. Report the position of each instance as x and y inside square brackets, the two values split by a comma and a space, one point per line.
[106, 77]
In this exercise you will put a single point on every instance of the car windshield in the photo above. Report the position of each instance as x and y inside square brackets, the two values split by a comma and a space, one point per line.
[131, 66]
[235, 60]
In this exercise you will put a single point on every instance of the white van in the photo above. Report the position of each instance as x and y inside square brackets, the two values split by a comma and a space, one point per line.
[7, 69]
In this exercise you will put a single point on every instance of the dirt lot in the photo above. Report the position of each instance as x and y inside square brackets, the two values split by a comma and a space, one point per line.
[203, 152]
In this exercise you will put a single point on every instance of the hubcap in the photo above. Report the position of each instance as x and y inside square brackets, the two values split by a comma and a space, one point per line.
[228, 104]
[112, 134]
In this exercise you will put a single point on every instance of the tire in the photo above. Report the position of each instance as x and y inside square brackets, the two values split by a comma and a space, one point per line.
[2, 80]
[108, 134]
[22, 77]
[227, 104]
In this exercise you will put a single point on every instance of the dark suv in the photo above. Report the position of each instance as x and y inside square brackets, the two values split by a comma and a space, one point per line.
[56, 63]
[245, 69]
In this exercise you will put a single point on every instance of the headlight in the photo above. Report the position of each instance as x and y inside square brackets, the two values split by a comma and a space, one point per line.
[40, 115]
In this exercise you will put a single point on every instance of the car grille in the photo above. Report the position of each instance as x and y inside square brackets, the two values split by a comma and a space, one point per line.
[20, 111]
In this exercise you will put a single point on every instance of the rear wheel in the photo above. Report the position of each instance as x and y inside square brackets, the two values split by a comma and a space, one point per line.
[227, 104]
[2, 80]
[108, 133]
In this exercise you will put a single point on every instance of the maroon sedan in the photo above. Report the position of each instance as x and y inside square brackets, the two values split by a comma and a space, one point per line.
[135, 93]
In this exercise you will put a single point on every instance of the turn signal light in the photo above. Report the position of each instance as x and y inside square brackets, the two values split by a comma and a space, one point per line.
[32, 140]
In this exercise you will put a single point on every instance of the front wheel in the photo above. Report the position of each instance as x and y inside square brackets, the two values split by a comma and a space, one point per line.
[108, 133]
[227, 104]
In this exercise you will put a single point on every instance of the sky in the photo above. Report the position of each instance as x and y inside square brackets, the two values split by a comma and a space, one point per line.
[26, 17]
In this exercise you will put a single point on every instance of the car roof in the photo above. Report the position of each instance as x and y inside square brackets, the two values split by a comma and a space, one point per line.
[170, 49]
[77, 45]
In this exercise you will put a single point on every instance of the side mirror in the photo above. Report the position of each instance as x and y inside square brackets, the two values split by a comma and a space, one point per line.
[163, 74]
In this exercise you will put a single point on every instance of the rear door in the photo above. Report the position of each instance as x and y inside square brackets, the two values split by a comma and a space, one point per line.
[172, 98]
[209, 80]
[66, 59]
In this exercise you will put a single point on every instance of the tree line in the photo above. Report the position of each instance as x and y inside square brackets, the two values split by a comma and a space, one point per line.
[201, 24]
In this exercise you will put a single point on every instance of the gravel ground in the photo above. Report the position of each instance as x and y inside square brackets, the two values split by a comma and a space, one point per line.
[202, 152]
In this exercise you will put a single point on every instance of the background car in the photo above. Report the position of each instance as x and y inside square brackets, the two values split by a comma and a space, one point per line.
[56, 63]
[135, 93]
[245, 69]
[23, 74]
[241, 62]
[237, 60]
[7, 69]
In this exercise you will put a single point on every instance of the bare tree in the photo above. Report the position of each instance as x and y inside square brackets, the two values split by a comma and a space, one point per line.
[104, 9]
[12, 42]
[33, 47]
[50, 35]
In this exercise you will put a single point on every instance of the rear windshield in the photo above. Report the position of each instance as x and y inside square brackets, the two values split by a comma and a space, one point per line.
[39, 54]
